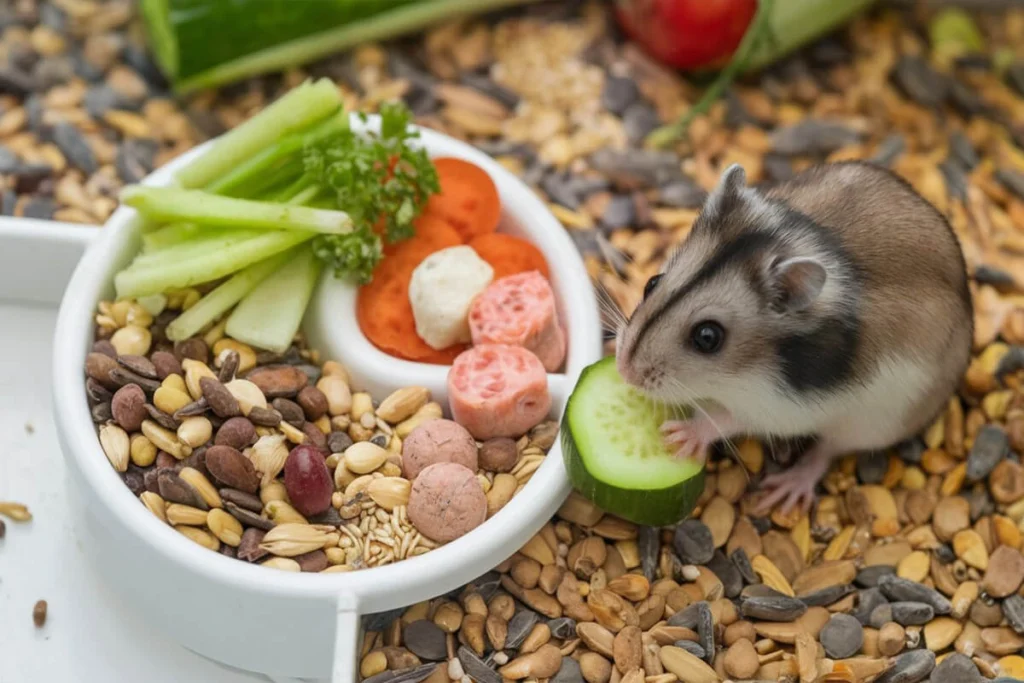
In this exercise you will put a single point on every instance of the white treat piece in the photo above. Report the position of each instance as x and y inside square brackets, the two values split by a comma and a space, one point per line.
[442, 290]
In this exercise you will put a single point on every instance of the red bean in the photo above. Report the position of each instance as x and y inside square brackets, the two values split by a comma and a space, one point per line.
[308, 481]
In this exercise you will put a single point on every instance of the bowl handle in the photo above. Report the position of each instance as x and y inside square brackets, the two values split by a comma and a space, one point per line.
[346, 636]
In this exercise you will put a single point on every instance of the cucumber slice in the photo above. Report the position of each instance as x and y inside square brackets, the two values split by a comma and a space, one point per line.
[615, 456]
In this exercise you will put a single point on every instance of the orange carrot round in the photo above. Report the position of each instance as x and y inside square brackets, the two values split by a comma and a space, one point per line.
[509, 255]
[468, 199]
[383, 309]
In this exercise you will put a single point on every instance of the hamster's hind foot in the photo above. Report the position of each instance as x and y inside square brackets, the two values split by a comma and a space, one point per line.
[692, 438]
[795, 486]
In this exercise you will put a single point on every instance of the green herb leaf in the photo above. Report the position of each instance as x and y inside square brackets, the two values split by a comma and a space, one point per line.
[379, 200]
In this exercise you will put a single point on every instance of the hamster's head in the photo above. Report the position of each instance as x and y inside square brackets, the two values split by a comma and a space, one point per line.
[708, 327]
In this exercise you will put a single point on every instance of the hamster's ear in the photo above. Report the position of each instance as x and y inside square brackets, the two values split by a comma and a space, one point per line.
[734, 179]
[796, 282]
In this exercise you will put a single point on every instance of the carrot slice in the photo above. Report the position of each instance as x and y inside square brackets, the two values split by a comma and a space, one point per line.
[509, 255]
[468, 199]
[383, 309]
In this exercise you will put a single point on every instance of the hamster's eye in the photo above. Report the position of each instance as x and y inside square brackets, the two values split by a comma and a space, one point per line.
[707, 337]
[651, 284]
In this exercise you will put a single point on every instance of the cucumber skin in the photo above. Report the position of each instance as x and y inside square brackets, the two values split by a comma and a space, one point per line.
[649, 507]
[181, 30]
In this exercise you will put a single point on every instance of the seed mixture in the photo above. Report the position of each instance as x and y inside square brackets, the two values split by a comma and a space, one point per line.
[277, 459]
[908, 569]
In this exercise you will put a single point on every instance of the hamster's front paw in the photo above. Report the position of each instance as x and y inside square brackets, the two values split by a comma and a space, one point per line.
[795, 486]
[692, 438]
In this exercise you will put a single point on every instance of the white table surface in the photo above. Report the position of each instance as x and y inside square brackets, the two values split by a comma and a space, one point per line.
[89, 634]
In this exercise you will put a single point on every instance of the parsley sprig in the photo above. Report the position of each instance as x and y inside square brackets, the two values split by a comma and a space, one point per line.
[381, 181]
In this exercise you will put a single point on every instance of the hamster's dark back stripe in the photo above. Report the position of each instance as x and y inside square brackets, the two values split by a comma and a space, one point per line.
[734, 251]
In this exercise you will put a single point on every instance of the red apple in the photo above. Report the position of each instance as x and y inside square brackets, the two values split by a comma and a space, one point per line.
[686, 34]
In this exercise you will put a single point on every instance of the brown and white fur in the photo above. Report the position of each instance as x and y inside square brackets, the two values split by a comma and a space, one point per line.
[846, 313]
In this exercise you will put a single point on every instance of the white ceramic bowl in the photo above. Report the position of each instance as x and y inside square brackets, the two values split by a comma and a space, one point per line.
[272, 622]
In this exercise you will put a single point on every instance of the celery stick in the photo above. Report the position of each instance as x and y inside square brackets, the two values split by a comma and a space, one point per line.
[147, 278]
[270, 315]
[297, 109]
[256, 166]
[212, 239]
[172, 204]
[214, 304]
[169, 235]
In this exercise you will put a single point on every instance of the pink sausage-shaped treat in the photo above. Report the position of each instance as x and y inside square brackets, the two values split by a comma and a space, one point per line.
[520, 310]
[498, 390]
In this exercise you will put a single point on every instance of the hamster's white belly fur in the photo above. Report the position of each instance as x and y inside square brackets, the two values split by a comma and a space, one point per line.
[868, 415]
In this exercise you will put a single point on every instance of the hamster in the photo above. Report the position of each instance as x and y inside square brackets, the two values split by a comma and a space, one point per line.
[833, 305]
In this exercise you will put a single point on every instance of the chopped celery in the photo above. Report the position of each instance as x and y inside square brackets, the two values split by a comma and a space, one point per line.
[212, 239]
[170, 235]
[284, 151]
[169, 203]
[270, 315]
[156, 277]
[217, 302]
[300, 108]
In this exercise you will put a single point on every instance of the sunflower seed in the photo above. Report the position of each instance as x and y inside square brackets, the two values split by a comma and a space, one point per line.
[693, 542]
[910, 667]
[904, 590]
[780, 608]
[990, 446]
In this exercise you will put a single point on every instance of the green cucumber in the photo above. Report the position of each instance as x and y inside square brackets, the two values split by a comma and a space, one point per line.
[615, 455]
[206, 43]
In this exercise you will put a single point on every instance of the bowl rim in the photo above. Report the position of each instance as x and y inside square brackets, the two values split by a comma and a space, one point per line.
[377, 588]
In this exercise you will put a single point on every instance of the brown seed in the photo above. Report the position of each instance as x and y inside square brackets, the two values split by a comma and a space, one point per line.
[471, 632]
[538, 635]
[686, 666]
[719, 516]
[497, 631]
[596, 637]
[952, 514]
[1005, 572]
[650, 611]
[550, 578]
[499, 455]
[941, 632]
[543, 663]
[595, 668]
[891, 639]
[745, 536]
[313, 402]
[39, 613]
[824, 575]
[741, 661]
[586, 556]
[783, 553]
[448, 616]
[1001, 641]
[970, 547]
[525, 572]
[1006, 482]
[626, 649]
[232, 468]
[806, 656]
[278, 380]
[129, 407]
[219, 398]
[740, 630]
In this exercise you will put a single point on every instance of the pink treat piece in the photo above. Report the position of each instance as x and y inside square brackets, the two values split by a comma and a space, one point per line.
[520, 310]
[437, 441]
[498, 390]
[446, 502]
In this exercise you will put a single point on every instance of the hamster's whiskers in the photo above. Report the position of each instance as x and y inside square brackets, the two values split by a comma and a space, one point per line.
[614, 318]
